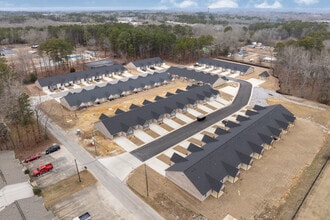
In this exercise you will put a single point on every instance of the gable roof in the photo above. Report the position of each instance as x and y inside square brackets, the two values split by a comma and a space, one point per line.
[155, 109]
[76, 99]
[221, 158]
[264, 74]
[193, 74]
[53, 80]
[224, 64]
[148, 62]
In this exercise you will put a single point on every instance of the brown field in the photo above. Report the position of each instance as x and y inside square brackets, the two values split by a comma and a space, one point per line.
[271, 189]
[84, 119]
[266, 184]
[65, 188]
[273, 186]
[317, 204]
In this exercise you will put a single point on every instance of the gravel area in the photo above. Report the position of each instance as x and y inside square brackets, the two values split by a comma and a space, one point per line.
[259, 96]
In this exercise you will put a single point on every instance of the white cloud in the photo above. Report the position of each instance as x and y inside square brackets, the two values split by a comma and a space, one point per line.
[187, 3]
[306, 2]
[182, 4]
[223, 4]
[265, 4]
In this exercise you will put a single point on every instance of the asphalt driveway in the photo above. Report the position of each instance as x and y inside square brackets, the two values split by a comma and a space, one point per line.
[161, 144]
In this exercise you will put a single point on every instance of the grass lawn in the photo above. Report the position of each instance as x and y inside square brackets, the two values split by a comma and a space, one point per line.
[65, 188]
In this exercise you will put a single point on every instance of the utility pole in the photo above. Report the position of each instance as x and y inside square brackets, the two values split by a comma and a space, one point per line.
[146, 174]
[77, 170]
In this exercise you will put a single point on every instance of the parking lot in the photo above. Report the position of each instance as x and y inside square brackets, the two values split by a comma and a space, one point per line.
[64, 167]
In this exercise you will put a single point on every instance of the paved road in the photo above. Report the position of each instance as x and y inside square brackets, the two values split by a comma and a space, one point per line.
[124, 202]
[159, 145]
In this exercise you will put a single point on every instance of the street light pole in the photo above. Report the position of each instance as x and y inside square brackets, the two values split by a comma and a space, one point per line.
[146, 174]
[77, 170]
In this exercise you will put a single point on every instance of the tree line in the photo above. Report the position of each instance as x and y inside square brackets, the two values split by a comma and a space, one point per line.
[20, 124]
[304, 73]
[123, 39]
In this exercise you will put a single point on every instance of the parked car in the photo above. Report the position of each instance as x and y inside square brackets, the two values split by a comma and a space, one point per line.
[53, 148]
[85, 216]
[42, 169]
[32, 158]
[201, 117]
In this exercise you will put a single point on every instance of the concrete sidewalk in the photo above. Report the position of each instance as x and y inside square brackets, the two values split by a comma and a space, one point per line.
[13, 192]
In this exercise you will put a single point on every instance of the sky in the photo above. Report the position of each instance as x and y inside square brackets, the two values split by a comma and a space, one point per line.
[182, 5]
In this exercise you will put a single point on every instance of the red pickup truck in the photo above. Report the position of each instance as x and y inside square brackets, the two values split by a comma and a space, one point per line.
[42, 169]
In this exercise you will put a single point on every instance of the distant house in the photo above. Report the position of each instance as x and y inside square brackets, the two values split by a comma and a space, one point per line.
[7, 52]
[55, 82]
[146, 63]
[98, 64]
[269, 59]
[124, 123]
[110, 91]
[225, 66]
[206, 169]
[264, 75]
[196, 76]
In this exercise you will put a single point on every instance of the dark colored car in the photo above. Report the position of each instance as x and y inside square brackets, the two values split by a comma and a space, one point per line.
[53, 148]
[32, 158]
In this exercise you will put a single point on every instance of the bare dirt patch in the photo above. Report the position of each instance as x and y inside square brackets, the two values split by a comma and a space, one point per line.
[315, 112]
[317, 204]
[65, 188]
[178, 120]
[22, 153]
[84, 119]
[210, 106]
[151, 133]
[181, 149]
[189, 115]
[226, 96]
[195, 141]
[165, 204]
[265, 185]
[164, 158]
[135, 140]
[32, 90]
[166, 127]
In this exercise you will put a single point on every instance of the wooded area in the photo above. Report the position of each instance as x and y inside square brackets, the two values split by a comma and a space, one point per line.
[302, 67]
[304, 73]
[20, 124]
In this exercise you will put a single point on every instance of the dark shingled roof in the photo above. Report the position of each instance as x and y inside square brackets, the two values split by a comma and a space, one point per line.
[145, 102]
[193, 74]
[264, 74]
[76, 99]
[221, 158]
[215, 184]
[194, 148]
[220, 131]
[230, 124]
[249, 113]
[118, 111]
[155, 109]
[148, 62]
[133, 106]
[241, 118]
[208, 139]
[176, 158]
[224, 64]
[61, 79]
